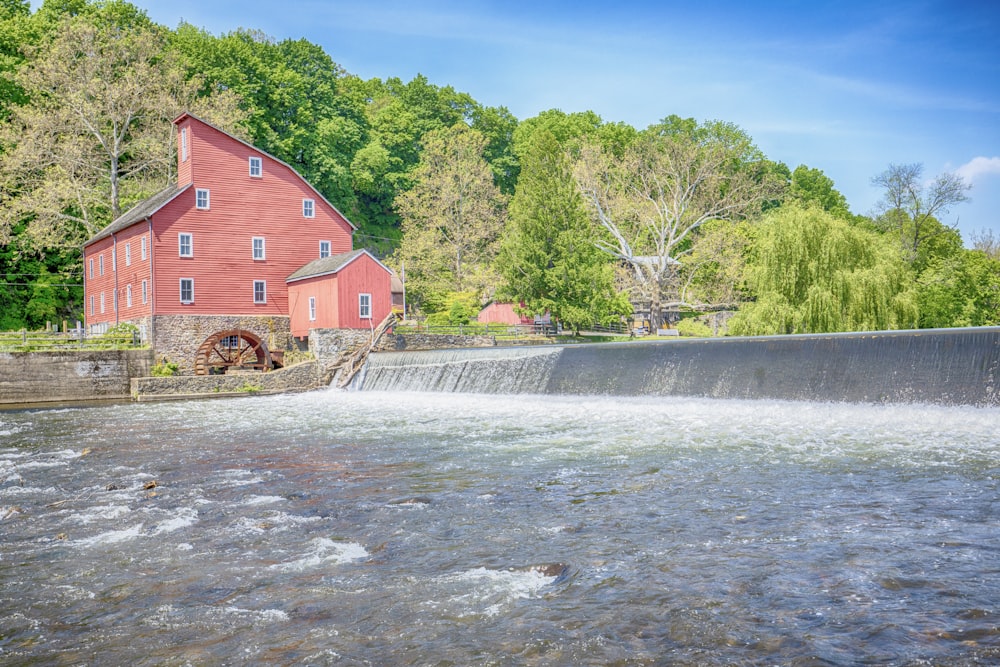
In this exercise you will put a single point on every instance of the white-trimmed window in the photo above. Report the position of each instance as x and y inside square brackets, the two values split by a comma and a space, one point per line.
[145, 292]
[365, 306]
[260, 291]
[256, 167]
[91, 304]
[128, 296]
[102, 303]
[308, 208]
[114, 259]
[187, 290]
[201, 199]
[258, 247]
[114, 300]
[324, 249]
[100, 264]
[312, 309]
[91, 270]
[184, 144]
[143, 248]
[185, 244]
[128, 254]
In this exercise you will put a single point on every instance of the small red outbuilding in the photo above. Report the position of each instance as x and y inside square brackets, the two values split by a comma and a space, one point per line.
[346, 291]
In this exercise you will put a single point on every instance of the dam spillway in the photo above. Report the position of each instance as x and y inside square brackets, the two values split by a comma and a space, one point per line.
[937, 366]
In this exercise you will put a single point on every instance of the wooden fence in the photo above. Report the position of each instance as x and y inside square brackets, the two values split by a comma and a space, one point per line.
[47, 341]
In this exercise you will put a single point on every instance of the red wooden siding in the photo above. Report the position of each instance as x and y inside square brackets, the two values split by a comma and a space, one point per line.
[337, 297]
[324, 290]
[222, 266]
[118, 275]
[363, 276]
[241, 207]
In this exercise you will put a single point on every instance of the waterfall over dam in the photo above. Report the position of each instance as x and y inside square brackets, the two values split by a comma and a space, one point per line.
[936, 366]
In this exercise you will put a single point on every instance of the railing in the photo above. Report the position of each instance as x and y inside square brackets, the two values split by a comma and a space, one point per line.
[479, 329]
[47, 341]
[509, 332]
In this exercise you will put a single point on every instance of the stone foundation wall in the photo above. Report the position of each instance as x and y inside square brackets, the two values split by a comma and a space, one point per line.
[300, 377]
[331, 346]
[67, 376]
[177, 338]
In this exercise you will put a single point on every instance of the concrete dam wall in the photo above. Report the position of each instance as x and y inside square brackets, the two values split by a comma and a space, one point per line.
[69, 375]
[940, 366]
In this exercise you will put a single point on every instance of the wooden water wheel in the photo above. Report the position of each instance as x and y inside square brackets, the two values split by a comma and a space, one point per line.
[232, 349]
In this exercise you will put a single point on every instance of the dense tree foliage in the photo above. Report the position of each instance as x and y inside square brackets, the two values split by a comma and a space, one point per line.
[549, 260]
[667, 217]
[452, 217]
[652, 201]
[911, 208]
[812, 272]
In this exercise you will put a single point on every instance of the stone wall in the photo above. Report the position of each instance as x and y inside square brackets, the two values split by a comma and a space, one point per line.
[300, 377]
[177, 338]
[66, 376]
[332, 346]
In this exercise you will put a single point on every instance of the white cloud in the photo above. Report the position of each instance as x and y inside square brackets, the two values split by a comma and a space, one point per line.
[978, 167]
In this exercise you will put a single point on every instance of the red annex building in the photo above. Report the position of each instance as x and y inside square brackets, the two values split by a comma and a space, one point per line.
[201, 267]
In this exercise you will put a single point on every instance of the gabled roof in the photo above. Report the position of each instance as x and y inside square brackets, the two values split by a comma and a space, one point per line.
[329, 265]
[139, 212]
[262, 152]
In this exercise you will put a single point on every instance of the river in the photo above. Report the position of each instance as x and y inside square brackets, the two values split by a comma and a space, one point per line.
[385, 528]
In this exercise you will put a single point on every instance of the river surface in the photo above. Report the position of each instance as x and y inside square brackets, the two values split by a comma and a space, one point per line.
[377, 528]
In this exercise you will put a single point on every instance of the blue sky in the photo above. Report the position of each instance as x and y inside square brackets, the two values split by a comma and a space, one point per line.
[847, 87]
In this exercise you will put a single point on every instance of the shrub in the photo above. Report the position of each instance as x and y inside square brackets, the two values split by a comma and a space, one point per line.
[164, 370]
[692, 327]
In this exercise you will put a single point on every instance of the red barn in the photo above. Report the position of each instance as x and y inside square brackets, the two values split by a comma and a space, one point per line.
[346, 291]
[201, 267]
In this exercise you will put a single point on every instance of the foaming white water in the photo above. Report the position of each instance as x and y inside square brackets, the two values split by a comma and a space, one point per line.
[99, 513]
[112, 537]
[262, 500]
[566, 426]
[488, 591]
[184, 517]
[324, 551]
[260, 615]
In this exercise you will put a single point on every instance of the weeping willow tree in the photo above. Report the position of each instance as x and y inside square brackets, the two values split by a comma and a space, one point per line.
[814, 273]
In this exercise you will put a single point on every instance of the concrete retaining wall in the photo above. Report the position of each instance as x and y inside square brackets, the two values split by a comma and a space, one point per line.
[67, 376]
[944, 366]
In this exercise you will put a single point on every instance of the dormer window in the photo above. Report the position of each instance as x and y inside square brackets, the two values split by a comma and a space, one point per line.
[201, 199]
[256, 167]
[308, 208]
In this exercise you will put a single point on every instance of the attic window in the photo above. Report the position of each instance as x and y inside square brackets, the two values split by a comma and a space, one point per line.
[256, 167]
[308, 208]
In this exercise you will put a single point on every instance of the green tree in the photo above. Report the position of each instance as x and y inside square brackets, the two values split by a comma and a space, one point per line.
[451, 218]
[812, 186]
[912, 208]
[96, 135]
[298, 103]
[652, 201]
[548, 259]
[961, 290]
[812, 272]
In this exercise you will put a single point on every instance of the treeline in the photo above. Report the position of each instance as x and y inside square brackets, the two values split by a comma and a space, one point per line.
[587, 219]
